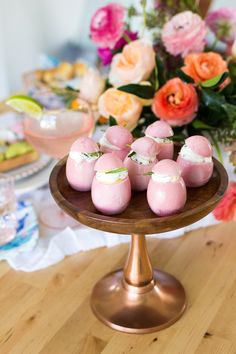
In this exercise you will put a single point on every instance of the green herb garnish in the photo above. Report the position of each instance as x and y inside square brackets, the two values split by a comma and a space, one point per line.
[117, 170]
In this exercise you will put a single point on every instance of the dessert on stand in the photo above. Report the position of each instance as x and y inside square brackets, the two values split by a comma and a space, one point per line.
[138, 298]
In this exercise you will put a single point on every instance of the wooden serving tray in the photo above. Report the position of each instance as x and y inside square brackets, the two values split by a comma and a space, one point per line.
[19, 161]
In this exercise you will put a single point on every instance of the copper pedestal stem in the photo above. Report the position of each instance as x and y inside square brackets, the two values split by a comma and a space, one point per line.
[138, 299]
[138, 269]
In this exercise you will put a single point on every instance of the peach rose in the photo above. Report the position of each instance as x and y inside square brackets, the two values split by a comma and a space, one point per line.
[92, 85]
[124, 107]
[176, 102]
[204, 66]
[134, 64]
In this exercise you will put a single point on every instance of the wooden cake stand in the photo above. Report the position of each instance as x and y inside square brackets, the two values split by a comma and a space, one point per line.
[138, 299]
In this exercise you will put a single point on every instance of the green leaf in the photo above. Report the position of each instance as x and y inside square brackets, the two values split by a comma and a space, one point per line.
[211, 98]
[112, 121]
[184, 77]
[95, 154]
[132, 153]
[148, 173]
[117, 170]
[215, 81]
[142, 91]
[198, 124]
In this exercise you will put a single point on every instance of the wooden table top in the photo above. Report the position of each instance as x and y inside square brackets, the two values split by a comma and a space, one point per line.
[48, 311]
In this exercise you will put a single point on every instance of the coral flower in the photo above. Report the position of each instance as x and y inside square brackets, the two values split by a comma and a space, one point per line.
[107, 25]
[204, 66]
[176, 102]
[184, 33]
[226, 209]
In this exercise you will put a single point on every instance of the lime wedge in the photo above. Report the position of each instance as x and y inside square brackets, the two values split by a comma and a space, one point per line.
[25, 104]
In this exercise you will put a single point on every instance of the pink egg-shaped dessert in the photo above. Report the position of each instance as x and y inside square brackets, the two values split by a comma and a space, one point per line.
[111, 190]
[140, 161]
[166, 193]
[195, 161]
[116, 140]
[80, 163]
[161, 132]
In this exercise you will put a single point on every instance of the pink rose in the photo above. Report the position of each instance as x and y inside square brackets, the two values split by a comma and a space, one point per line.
[226, 209]
[184, 33]
[106, 54]
[222, 23]
[133, 65]
[107, 25]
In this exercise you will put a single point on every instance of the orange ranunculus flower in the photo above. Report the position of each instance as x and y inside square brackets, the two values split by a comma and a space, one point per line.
[176, 102]
[204, 66]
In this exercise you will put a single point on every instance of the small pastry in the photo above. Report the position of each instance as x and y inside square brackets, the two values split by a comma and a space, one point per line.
[140, 161]
[80, 163]
[116, 140]
[195, 161]
[166, 193]
[161, 131]
[111, 190]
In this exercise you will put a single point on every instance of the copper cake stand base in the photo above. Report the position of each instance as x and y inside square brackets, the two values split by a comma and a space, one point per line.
[138, 299]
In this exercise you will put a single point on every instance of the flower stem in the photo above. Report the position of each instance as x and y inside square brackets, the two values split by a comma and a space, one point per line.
[144, 5]
[214, 44]
[216, 145]
[126, 37]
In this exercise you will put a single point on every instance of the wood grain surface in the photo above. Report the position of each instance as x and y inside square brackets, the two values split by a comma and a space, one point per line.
[48, 311]
[138, 217]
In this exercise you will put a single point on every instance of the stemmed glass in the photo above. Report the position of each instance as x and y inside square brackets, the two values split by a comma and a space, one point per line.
[8, 221]
[53, 135]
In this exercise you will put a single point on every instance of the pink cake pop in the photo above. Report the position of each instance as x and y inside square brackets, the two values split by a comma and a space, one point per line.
[80, 163]
[166, 193]
[195, 161]
[140, 161]
[116, 139]
[160, 131]
[111, 190]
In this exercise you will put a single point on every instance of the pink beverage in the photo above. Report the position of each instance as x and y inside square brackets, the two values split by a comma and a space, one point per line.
[166, 193]
[116, 140]
[8, 220]
[140, 161]
[111, 190]
[161, 132]
[195, 161]
[83, 155]
[56, 131]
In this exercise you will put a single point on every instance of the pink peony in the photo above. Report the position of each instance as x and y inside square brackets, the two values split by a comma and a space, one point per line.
[106, 54]
[222, 23]
[226, 209]
[107, 25]
[184, 33]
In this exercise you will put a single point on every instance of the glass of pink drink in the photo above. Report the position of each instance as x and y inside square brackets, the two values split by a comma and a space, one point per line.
[8, 221]
[53, 135]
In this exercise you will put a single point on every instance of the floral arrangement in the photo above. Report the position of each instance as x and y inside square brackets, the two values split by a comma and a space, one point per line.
[181, 68]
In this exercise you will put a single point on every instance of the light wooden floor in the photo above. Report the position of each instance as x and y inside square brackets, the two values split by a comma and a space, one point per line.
[48, 311]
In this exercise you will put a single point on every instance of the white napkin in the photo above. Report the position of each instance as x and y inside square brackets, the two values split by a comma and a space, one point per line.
[53, 249]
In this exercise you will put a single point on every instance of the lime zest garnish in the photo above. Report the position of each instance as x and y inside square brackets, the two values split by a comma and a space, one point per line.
[25, 104]
[117, 170]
